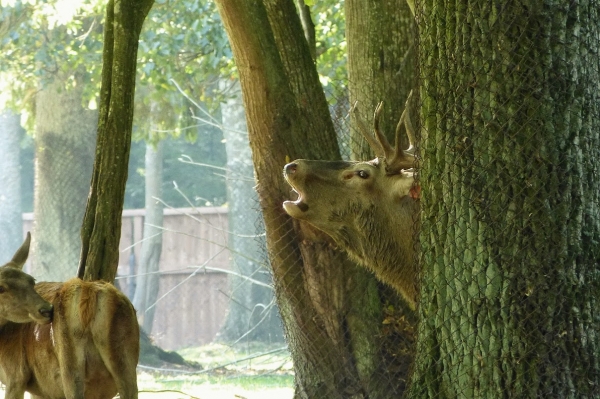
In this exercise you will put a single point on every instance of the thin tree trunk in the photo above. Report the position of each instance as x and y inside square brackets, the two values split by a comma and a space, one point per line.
[148, 278]
[11, 223]
[101, 230]
[308, 27]
[510, 221]
[64, 148]
[252, 314]
[315, 284]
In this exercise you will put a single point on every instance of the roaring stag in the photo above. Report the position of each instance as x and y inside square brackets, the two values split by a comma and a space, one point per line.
[71, 340]
[368, 208]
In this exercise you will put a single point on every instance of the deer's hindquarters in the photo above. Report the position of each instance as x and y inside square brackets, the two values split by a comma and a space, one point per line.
[75, 339]
[102, 333]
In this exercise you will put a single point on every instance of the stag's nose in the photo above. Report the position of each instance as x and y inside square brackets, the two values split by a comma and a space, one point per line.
[47, 311]
[290, 168]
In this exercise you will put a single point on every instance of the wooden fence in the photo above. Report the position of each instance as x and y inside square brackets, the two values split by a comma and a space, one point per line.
[192, 301]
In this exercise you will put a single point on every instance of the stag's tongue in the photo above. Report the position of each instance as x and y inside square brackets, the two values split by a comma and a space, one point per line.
[295, 208]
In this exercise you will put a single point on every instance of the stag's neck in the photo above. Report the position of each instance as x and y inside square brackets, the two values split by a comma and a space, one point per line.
[388, 250]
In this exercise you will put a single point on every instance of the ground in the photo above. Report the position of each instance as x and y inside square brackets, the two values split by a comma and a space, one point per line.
[248, 371]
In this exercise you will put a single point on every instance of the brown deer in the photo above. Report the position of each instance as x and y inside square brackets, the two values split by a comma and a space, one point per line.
[368, 208]
[70, 340]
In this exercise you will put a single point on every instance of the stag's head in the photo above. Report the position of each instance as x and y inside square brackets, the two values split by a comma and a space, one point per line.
[19, 302]
[366, 207]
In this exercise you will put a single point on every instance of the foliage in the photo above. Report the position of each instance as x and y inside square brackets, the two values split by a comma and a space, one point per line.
[183, 47]
[182, 42]
[330, 31]
[52, 38]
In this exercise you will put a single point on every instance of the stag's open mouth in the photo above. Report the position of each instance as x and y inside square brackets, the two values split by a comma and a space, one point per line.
[297, 207]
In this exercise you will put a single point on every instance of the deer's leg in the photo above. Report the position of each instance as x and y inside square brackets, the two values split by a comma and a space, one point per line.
[122, 366]
[14, 391]
[72, 370]
[71, 358]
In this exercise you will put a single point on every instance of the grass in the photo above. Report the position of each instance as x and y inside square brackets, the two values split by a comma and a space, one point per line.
[250, 371]
[216, 387]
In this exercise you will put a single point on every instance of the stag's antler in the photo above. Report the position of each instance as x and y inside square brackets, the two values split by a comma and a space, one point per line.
[396, 158]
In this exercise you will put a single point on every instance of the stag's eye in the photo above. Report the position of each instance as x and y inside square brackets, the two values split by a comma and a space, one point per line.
[2, 289]
[363, 174]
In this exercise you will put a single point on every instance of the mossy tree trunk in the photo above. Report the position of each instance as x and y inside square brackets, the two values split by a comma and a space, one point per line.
[316, 286]
[510, 207]
[101, 229]
[65, 134]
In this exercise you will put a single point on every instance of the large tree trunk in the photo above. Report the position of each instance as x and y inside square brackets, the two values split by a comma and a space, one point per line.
[11, 223]
[64, 148]
[101, 229]
[252, 314]
[510, 219]
[147, 278]
[315, 284]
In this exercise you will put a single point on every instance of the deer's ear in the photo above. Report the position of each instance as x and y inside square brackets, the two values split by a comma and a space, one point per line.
[415, 192]
[22, 253]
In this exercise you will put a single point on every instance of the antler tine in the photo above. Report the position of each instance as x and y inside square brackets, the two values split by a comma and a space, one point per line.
[402, 159]
[362, 126]
[407, 123]
[388, 151]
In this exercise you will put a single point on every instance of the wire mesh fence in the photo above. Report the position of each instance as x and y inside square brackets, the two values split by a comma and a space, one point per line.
[507, 232]
[504, 233]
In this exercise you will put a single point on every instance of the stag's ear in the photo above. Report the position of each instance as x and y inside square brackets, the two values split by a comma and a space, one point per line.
[415, 192]
[21, 255]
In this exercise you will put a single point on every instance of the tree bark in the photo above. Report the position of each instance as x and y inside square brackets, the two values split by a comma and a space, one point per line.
[64, 148]
[274, 133]
[510, 220]
[11, 222]
[147, 279]
[101, 229]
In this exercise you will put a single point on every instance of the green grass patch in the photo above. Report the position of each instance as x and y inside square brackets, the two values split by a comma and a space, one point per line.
[250, 371]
